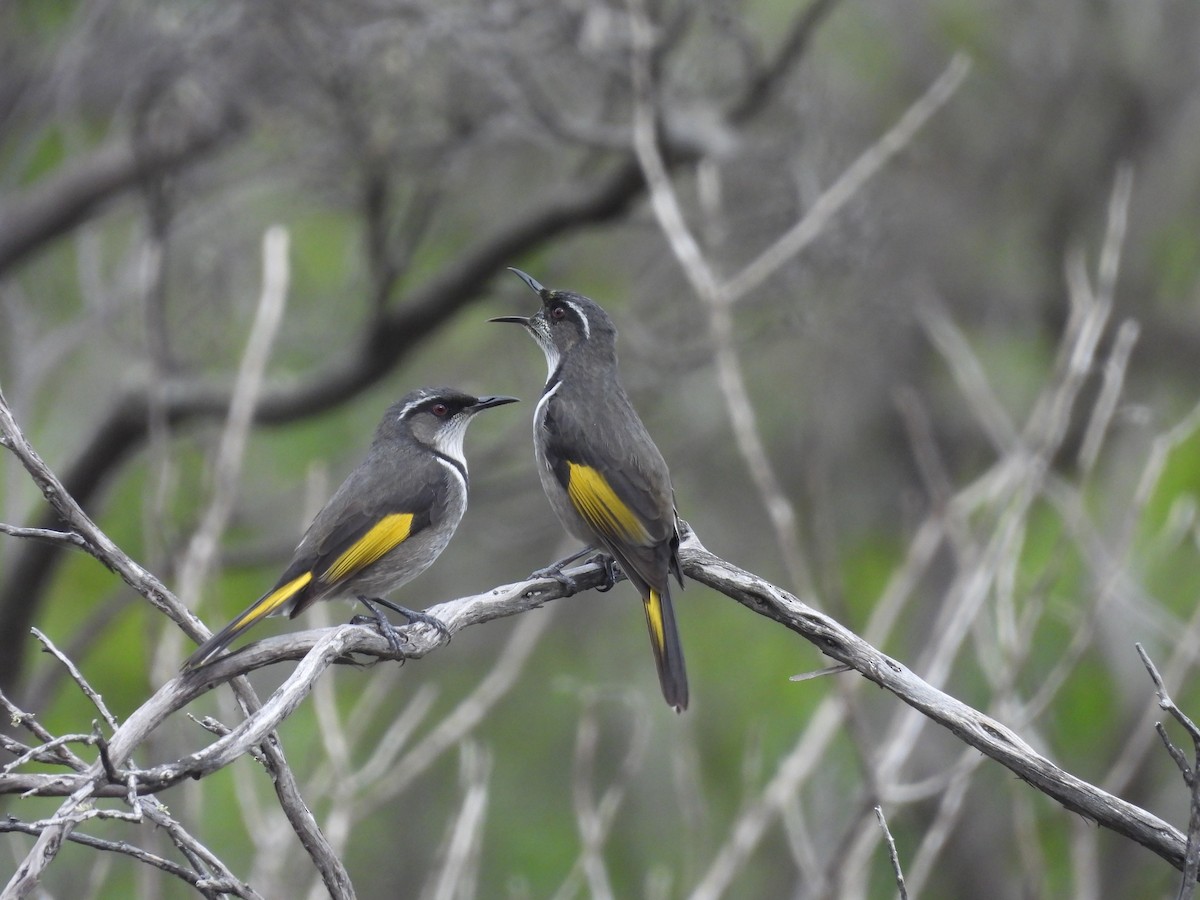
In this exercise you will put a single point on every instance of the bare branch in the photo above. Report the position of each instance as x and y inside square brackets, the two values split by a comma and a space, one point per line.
[975, 728]
[203, 546]
[29, 722]
[88, 690]
[1110, 392]
[56, 205]
[850, 182]
[66, 538]
[1191, 774]
[97, 542]
[738, 404]
[458, 873]
[892, 854]
[770, 77]
[45, 752]
[107, 552]
[11, 826]
[971, 726]
[316, 650]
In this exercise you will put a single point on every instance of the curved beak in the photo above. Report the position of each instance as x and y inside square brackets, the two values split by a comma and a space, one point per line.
[529, 280]
[489, 402]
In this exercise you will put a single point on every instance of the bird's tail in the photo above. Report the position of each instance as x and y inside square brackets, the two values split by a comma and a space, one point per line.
[668, 651]
[259, 609]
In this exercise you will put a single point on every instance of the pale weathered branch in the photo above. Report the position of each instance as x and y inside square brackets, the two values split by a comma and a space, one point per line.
[98, 544]
[892, 854]
[971, 726]
[317, 650]
[195, 879]
[320, 649]
[1189, 770]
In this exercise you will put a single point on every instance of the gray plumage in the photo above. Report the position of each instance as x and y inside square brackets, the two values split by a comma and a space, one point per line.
[584, 423]
[389, 520]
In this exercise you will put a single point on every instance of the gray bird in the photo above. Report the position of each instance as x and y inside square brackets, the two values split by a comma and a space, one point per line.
[603, 475]
[387, 523]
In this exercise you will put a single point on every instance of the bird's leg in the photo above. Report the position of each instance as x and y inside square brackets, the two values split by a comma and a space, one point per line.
[555, 570]
[416, 615]
[612, 572]
[379, 620]
[386, 628]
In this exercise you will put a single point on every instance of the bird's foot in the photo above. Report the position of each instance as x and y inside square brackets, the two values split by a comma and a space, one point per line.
[555, 570]
[389, 631]
[612, 572]
[567, 582]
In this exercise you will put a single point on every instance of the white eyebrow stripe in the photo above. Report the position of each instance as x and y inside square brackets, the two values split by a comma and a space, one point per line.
[409, 407]
[587, 329]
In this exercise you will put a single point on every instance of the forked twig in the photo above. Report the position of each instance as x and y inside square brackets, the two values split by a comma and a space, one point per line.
[1189, 771]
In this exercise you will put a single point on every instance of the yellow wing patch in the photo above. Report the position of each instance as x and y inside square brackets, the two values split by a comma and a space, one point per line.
[597, 502]
[654, 618]
[383, 536]
[270, 603]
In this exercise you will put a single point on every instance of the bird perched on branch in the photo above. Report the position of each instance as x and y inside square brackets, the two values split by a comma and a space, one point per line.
[604, 477]
[387, 523]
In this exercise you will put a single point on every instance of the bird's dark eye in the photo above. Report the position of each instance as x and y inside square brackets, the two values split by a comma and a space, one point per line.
[558, 313]
[439, 409]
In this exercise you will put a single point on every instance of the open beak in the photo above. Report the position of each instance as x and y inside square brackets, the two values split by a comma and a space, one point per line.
[489, 402]
[520, 320]
[529, 280]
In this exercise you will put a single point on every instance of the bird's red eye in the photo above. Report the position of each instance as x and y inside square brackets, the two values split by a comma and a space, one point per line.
[558, 313]
[439, 409]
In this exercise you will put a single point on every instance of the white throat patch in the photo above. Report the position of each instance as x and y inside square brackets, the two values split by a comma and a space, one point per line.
[449, 439]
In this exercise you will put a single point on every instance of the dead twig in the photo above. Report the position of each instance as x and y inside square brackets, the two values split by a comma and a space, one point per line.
[1189, 770]
[893, 856]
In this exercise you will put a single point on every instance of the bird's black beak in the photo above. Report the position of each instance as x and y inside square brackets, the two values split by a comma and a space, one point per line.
[529, 280]
[520, 320]
[489, 402]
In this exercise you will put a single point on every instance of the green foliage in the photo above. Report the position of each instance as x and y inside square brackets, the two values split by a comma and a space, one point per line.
[43, 18]
[1175, 251]
[975, 218]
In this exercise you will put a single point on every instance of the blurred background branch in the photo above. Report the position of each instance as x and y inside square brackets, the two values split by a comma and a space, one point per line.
[963, 366]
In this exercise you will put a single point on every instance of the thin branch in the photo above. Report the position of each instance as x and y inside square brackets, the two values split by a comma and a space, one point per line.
[107, 552]
[971, 726]
[770, 77]
[46, 752]
[317, 650]
[50, 535]
[458, 872]
[1110, 392]
[88, 691]
[13, 826]
[594, 816]
[738, 404]
[57, 204]
[850, 182]
[29, 722]
[1191, 774]
[205, 541]
[970, 376]
[893, 856]
[246, 389]
[97, 543]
